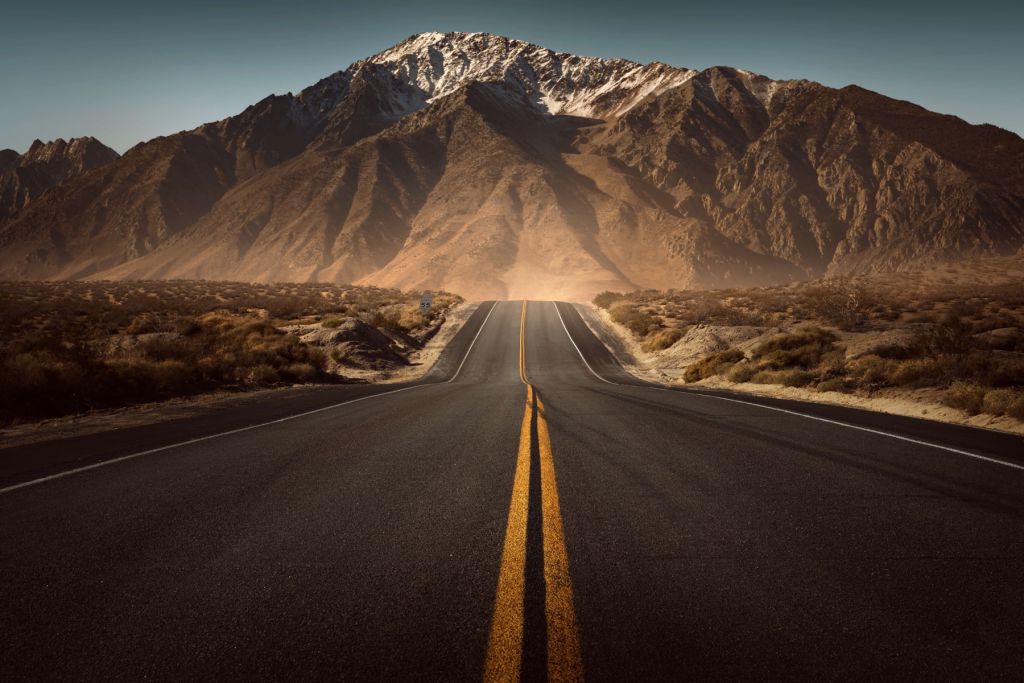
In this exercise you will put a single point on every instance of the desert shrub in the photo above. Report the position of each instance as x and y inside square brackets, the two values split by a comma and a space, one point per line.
[715, 312]
[662, 339]
[967, 309]
[632, 318]
[714, 364]
[895, 351]
[835, 384]
[1007, 373]
[1016, 408]
[839, 301]
[797, 378]
[155, 306]
[189, 327]
[804, 349]
[142, 324]
[871, 369]
[951, 336]
[965, 396]
[171, 376]
[787, 378]
[886, 314]
[142, 379]
[41, 383]
[741, 372]
[412, 319]
[606, 299]
[1013, 341]
[388, 319]
[1000, 401]
[261, 374]
[50, 377]
[917, 372]
[332, 323]
[300, 372]
[169, 348]
[767, 377]
[832, 363]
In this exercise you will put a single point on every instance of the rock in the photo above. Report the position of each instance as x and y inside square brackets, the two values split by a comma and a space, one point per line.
[44, 166]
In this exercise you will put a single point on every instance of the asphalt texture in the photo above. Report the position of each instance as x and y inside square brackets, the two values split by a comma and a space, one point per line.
[708, 535]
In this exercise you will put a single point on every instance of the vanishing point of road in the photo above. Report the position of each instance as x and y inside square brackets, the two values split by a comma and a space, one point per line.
[526, 511]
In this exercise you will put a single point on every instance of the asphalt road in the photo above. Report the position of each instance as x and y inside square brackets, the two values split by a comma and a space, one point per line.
[527, 510]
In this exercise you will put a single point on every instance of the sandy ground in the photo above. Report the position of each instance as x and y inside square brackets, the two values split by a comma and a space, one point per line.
[668, 366]
[177, 408]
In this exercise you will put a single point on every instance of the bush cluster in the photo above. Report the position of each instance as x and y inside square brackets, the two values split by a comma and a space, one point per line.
[715, 364]
[977, 381]
[969, 340]
[662, 339]
[44, 377]
[606, 299]
[66, 347]
[795, 359]
[634, 319]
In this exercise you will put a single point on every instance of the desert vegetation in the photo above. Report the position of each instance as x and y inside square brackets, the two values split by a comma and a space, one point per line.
[961, 344]
[69, 347]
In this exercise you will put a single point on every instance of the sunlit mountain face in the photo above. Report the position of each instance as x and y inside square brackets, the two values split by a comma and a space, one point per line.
[501, 169]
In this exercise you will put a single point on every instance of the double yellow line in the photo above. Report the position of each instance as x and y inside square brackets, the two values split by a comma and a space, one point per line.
[505, 645]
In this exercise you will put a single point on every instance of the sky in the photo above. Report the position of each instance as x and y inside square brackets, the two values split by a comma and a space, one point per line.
[125, 72]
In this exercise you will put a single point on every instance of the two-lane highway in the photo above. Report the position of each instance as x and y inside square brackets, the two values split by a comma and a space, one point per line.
[528, 509]
[716, 539]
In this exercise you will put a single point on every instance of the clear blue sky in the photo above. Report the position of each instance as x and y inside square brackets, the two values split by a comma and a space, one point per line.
[128, 71]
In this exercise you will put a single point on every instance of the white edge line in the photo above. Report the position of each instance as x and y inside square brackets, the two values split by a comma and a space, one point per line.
[798, 414]
[201, 438]
[472, 343]
[103, 463]
[582, 357]
[852, 426]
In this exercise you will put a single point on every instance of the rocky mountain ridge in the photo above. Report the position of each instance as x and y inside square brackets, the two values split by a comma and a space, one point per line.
[497, 168]
[46, 165]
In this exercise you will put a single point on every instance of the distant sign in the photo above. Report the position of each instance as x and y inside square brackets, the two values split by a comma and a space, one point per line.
[425, 302]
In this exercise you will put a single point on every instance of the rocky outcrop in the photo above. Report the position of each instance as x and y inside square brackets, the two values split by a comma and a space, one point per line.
[46, 165]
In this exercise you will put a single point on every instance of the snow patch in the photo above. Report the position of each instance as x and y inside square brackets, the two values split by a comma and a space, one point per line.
[429, 66]
[438, 64]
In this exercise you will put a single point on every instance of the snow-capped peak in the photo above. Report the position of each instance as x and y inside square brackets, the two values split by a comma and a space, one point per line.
[435, 64]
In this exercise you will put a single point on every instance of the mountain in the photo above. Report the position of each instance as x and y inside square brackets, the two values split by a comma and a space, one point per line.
[46, 165]
[497, 168]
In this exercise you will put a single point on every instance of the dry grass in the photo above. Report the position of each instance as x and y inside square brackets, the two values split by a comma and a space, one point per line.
[715, 364]
[69, 347]
[964, 337]
[634, 319]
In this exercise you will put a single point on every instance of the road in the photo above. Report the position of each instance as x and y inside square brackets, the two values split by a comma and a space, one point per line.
[528, 510]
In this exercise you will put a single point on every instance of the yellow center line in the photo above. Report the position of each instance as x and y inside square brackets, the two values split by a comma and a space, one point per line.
[522, 348]
[505, 643]
[564, 660]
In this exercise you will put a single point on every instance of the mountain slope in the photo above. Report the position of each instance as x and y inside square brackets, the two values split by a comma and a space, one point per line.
[45, 165]
[497, 168]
